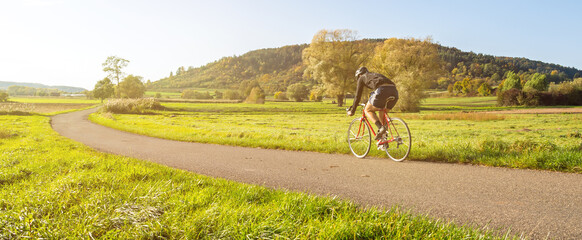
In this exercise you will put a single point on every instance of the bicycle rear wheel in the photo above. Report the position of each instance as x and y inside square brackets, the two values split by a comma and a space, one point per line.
[399, 149]
[359, 138]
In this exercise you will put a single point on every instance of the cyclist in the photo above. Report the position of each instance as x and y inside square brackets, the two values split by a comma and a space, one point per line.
[383, 89]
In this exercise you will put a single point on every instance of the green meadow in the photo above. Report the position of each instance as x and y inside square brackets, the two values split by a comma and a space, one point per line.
[439, 133]
[55, 188]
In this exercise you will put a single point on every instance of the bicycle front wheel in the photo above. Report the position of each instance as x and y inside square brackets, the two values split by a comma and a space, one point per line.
[399, 149]
[359, 138]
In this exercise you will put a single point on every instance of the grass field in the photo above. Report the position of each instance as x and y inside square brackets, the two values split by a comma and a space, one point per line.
[44, 105]
[52, 187]
[550, 142]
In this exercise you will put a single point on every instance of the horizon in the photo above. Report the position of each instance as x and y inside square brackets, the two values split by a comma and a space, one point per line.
[64, 42]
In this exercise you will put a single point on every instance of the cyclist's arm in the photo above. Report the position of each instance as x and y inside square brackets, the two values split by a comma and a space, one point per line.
[359, 91]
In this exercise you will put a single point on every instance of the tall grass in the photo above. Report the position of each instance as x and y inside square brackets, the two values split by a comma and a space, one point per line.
[128, 105]
[51, 187]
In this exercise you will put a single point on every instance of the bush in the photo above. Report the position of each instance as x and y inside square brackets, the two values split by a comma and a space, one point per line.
[132, 106]
[3, 96]
[509, 97]
[298, 91]
[217, 95]
[231, 95]
[257, 95]
[281, 96]
[188, 94]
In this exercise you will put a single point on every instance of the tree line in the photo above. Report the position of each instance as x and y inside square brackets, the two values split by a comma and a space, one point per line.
[130, 86]
[325, 67]
[278, 68]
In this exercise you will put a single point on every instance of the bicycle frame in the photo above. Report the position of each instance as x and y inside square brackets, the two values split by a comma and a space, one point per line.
[384, 114]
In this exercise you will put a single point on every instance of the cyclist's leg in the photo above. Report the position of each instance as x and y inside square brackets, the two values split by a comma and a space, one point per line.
[370, 112]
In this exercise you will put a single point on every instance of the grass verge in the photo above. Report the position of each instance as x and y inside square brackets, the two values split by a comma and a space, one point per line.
[546, 141]
[51, 187]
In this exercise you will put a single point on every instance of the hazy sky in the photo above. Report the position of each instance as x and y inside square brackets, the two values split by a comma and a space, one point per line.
[64, 42]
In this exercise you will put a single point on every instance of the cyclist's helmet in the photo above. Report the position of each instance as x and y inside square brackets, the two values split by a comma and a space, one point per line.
[361, 71]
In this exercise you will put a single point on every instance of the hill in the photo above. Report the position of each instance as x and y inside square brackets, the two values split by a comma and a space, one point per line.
[67, 89]
[277, 68]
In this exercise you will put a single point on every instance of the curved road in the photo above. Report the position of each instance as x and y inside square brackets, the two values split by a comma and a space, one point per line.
[537, 204]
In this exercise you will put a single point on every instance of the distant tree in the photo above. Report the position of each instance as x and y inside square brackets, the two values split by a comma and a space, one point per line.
[131, 87]
[412, 64]
[511, 81]
[180, 71]
[298, 91]
[103, 89]
[246, 86]
[113, 66]
[495, 77]
[332, 58]
[317, 93]
[538, 82]
[257, 95]
[3, 96]
[450, 88]
[484, 89]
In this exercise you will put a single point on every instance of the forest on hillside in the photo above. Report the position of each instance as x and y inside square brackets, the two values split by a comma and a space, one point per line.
[277, 68]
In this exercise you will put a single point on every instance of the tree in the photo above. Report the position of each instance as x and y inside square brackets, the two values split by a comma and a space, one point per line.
[3, 96]
[512, 81]
[246, 86]
[538, 82]
[131, 87]
[484, 89]
[298, 91]
[257, 95]
[333, 57]
[412, 64]
[103, 89]
[113, 67]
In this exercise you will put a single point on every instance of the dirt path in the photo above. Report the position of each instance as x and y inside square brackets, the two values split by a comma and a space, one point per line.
[536, 203]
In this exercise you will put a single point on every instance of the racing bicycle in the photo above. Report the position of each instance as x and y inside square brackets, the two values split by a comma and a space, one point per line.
[396, 142]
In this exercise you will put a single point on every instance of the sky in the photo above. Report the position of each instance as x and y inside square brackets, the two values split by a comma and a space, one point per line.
[65, 42]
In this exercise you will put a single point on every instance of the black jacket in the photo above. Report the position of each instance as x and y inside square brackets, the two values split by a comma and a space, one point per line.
[370, 80]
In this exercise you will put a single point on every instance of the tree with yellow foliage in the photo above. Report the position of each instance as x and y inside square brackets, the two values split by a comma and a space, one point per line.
[332, 58]
[412, 64]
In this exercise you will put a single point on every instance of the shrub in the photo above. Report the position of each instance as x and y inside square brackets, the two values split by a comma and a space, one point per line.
[231, 95]
[3, 96]
[158, 95]
[187, 94]
[132, 106]
[257, 95]
[281, 96]
[217, 95]
[202, 95]
[298, 91]
[484, 89]
[509, 97]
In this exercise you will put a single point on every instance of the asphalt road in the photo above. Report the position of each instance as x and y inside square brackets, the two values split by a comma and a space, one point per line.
[535, 204]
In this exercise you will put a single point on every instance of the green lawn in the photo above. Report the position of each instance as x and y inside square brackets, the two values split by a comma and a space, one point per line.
[55, 188]
[549, 142]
